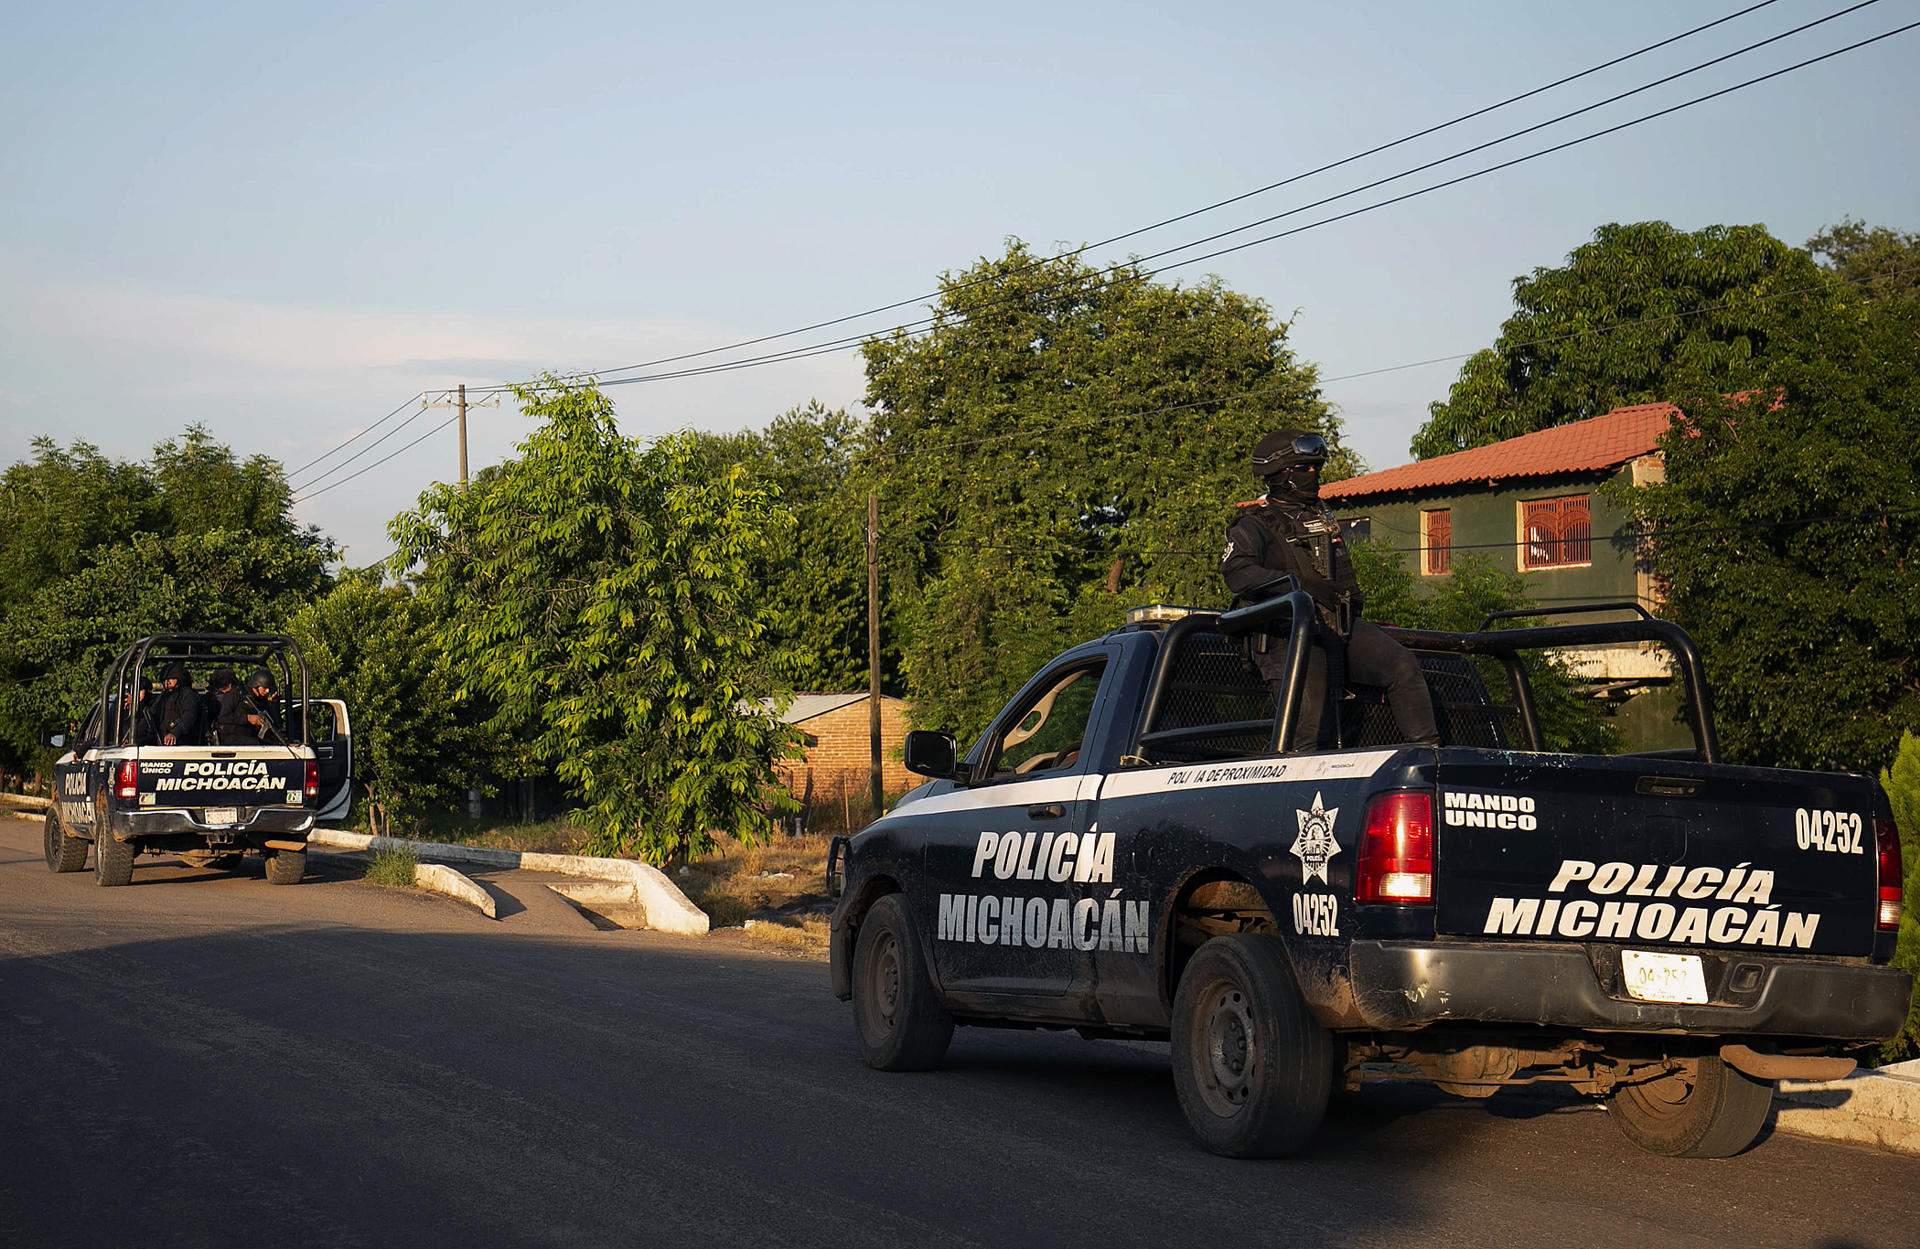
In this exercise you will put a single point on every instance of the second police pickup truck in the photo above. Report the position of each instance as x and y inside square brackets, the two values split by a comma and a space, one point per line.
[123, 796]
[1125, 852]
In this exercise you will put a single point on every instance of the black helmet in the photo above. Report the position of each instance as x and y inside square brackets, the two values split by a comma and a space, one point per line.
[260, 679]
[1285, 448]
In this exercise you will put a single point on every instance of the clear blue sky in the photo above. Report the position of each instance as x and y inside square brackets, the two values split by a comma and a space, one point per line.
[281, 220]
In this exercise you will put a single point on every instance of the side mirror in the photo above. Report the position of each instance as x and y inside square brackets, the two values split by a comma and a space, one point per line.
[53, 739]
[932, 754]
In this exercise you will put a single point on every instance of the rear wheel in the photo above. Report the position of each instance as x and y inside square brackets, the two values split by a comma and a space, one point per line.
[1253, 1069]
[286, 867]
[64, 853]
[112, 860]
[898, 1020]
[1705, 1109]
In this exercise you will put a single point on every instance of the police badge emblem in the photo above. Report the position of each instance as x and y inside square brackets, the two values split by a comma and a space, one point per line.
[1315, 844]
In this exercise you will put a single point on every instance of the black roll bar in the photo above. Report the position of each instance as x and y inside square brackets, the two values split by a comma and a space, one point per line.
[1576, 609]
[122, 677]
[1505, 645]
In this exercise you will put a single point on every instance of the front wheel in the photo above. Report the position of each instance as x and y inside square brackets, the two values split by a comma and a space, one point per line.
[64, 853]
[1253, 1069]
[900, 1023]
[112, 859]
[1704, 1109]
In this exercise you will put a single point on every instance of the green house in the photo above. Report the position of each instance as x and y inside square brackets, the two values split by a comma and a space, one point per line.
[1534, 505]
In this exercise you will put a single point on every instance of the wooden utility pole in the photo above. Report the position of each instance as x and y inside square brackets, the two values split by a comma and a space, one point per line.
[877, 788]
[459, 400]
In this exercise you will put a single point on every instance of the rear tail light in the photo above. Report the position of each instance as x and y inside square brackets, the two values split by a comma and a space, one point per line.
[127, 784]
[313, 779]
[1887, 839]
[1396, 849]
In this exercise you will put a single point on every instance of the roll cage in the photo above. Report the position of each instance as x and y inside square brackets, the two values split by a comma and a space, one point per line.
[275, 652]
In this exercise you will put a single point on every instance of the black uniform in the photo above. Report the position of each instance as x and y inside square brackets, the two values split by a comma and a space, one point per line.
[1295, 534]
[180, 712]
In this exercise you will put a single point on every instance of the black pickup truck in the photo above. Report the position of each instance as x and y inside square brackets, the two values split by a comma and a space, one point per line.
[123, 793]
[1126, 852]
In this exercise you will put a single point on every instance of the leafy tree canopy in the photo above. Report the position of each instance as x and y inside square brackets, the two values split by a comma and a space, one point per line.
[1676, 310]
[99, 552]
[601, 594]
[1901, 780]
[1057, 418]
[1788, 534]
[417, 745]
[1878, 262]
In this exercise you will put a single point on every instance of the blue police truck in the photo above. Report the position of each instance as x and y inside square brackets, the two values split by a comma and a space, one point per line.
[1127, 852]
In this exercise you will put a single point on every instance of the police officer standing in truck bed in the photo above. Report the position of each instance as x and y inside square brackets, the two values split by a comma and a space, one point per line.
[1290, 532]
[181, 719]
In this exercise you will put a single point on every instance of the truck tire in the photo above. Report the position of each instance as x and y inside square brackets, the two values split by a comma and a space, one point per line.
[899, 1022]
[64, 853]
[286, 867]
[112, 860]
[1252, 1068]
[1706, 1110]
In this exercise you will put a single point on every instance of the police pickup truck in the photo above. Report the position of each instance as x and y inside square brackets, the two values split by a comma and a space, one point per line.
[120, 792]
[1126, 852]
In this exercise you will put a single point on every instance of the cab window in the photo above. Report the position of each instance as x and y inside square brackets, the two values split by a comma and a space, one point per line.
[1046, 732]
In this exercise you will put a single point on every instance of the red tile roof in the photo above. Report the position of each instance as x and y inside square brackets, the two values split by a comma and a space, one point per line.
[1599, 442]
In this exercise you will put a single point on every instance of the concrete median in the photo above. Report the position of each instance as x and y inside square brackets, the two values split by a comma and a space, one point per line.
[667, 909]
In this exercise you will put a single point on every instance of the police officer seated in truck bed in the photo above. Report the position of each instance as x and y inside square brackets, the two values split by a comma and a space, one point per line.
[181, 720]
[1289, 531]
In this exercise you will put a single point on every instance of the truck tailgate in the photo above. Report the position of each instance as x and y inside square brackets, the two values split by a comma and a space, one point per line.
[250, 777]
[1654, 852]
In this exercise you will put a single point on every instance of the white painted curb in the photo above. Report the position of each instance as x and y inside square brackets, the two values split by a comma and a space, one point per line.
[1879, 1108]
[667, 908]
[442, 879]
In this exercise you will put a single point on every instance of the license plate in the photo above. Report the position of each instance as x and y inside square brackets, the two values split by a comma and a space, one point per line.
[221, 815]
[1655, 977]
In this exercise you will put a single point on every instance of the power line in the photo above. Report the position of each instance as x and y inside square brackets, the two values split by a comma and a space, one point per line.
[1218, 204]
[314, 481]
[1126, 269]
[349, 442]
[311, 494]
[842, 344]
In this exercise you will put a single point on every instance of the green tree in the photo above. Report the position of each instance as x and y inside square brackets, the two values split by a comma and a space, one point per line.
[1901, 780]
[1877, 261]
[1788, 535]
[217, 581]
[1569, 720]
[1641, 313]
[601, 595]
[417, 744]
[98, 552]
[1054, 420]
[810, 455]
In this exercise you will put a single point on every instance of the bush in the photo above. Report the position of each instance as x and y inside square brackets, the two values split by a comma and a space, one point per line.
[394, 865]
[1902, 783]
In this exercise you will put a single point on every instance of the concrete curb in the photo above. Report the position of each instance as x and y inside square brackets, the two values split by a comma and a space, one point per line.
[667, 908]
[442, 879]
[1878, 1108]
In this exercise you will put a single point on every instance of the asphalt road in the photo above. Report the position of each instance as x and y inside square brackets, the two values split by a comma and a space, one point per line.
[206, 1060]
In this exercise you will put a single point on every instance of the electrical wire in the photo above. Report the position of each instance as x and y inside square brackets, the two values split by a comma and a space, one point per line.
[1218, 204]
[349, 442]
[844, 343]
[1127, 271]
[314, 481]
[312, 494]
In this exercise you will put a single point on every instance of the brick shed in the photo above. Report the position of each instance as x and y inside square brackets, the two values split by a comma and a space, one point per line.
[838, 748]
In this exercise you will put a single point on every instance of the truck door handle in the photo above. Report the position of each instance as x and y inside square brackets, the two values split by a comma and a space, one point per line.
[1046, 811]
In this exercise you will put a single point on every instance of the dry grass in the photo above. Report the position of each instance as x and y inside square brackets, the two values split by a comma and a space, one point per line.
[780, 886]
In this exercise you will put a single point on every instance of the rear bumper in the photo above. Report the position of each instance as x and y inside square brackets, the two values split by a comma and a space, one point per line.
[1399, 986]
[260, 822]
